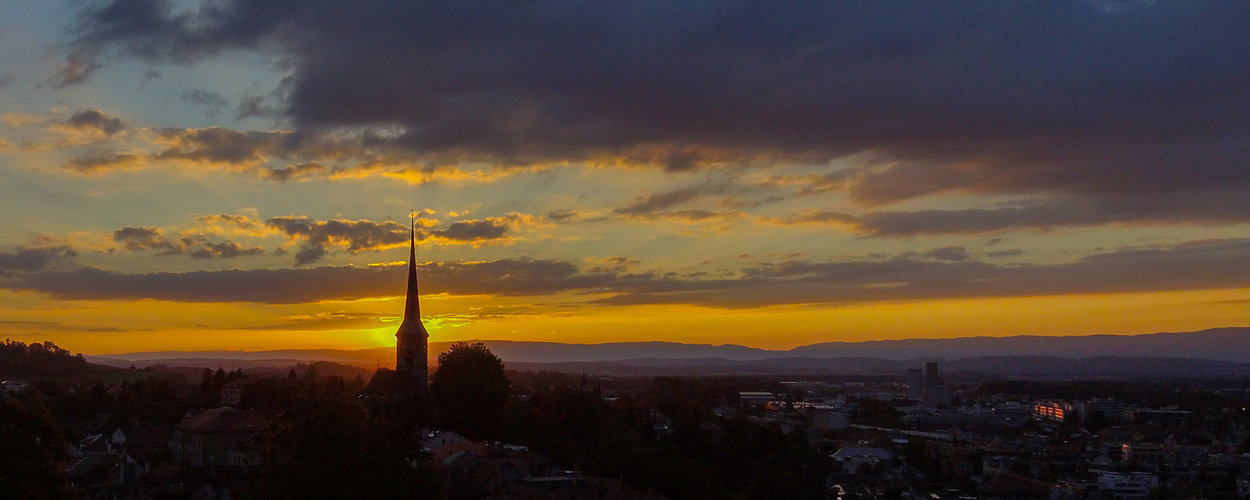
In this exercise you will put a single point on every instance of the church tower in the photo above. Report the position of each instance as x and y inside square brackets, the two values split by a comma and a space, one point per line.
[412, 341]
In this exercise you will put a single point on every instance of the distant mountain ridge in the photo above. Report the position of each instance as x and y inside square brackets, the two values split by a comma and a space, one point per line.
[1217, 344]
[1223, 344]
[990, 367]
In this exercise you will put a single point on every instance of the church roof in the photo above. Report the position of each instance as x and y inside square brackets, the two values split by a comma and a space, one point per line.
[387, 382]
[224, 420]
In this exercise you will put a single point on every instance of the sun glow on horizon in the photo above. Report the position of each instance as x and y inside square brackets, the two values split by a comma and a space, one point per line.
[237, 194]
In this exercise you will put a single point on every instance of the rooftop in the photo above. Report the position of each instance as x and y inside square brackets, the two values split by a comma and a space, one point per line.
[223, 420]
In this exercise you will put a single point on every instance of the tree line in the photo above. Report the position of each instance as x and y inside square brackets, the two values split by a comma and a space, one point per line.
[18, 359]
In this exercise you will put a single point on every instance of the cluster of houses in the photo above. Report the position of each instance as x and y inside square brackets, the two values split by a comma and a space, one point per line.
[212, 454]
[203, 456]
[938, 447]
[1005, 448]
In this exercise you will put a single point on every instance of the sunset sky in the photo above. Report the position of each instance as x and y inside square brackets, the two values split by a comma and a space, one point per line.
[238, 174]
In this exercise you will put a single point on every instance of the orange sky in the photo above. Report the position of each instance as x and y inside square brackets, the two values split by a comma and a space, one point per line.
[159, 325]
[794, 174]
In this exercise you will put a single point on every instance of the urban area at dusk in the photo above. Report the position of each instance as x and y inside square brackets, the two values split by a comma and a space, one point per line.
[635, 249]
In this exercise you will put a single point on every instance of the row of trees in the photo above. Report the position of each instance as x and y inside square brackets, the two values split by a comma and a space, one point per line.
[46, 359]
[320, 443]
[323, 446]
[33, 452]
[664, 436]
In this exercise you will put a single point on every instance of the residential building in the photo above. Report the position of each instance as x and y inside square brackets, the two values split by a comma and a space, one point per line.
[232, 391]
[1051, 410]
[205, 437]
[1126, 485]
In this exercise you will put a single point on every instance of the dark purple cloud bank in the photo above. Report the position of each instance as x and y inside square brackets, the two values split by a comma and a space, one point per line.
[36, 259]
[355, 236]
[1130, 97]
[939, 273]
[94, 119]
[197, 246]
[1213, 207]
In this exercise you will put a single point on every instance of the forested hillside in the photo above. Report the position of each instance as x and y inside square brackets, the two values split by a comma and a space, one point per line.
[18, 359]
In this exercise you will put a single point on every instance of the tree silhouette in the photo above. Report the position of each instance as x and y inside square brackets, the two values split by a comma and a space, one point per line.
[32, 463]
[470, 390]
[38, 360]
[323, 447]
[1095, 421]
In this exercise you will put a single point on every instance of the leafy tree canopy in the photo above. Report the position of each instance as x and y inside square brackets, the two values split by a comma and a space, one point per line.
[469, 390]
[39, 360]
[34, 453]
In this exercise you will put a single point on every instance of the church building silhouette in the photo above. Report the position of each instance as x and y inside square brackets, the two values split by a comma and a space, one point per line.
[391, 393]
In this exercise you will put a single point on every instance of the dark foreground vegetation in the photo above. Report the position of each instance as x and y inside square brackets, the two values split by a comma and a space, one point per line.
[626, 437]
[320, 442]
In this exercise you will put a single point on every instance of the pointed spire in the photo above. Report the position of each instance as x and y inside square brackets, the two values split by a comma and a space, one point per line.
[412, 310]
[411, 340]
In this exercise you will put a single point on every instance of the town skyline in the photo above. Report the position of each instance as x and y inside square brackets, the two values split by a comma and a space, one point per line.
[203, 176]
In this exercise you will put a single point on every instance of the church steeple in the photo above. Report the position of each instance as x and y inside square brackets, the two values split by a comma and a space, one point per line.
[412, 309]
[412, 340]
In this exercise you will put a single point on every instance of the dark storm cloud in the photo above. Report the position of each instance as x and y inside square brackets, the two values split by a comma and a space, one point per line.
[325, 321]
[230, 220]
[247, 151]
[1207, 207]
[660, 201]
[292, 172]
[146, 238]
[103, 162]
[815, 217]
[219, 145]
[613, 265]
[61, 327]
[953, 254]
[309, 253]
[561, 215]
[691, 215]
[1191, 266]
[1212, 207]
[1196, 265]
[255, 107]
[353, 235]
[76, 70]
[224, 250]
[211, 100]
[288, 286]
[197, 246]
[944, 96]
[998, 254]
[94, 119]
[514, 278]
[316, 237]
[36, 259]
[475, 230]
[282, 286]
